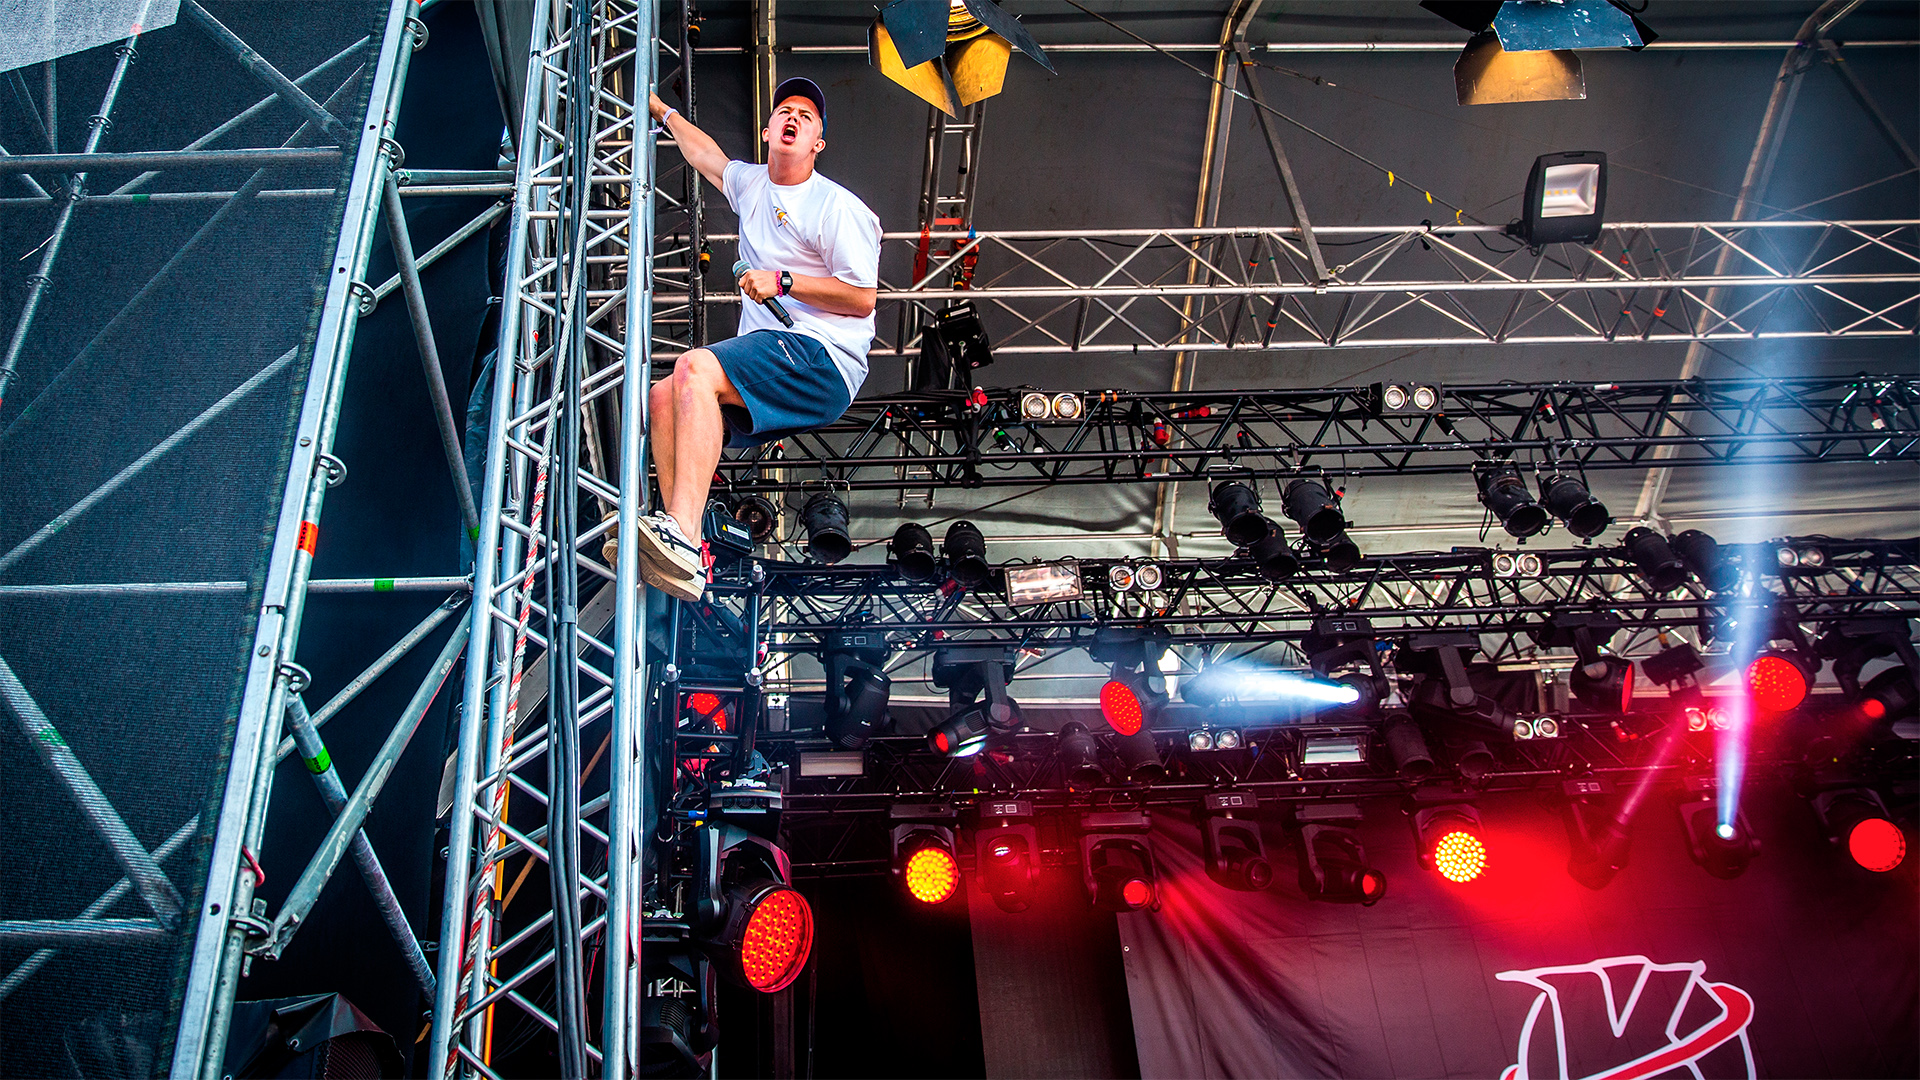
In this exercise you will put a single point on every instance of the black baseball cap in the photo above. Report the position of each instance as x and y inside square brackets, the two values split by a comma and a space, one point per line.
[806, 88]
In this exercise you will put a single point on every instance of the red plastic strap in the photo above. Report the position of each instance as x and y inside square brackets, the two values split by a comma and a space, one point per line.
[253, 867]
[309, 536]
[706, 560]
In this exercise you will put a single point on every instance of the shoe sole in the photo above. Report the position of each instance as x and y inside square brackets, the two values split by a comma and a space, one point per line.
[678, 588]
[661, 553]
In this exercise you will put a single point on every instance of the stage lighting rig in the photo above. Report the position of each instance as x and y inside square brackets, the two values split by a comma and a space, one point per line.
[1314, 507]
[1505, 496]
[1566, 497]
[1723, 850]
[966, 553]
[1131, 576]
[1340, 553]
[1116, 861]
[1079, 754]
[1333, 862]
[1007, 853]
[1036, 405]
[1450, 839]
[1522, 564]
[1566, 199]
[1407, 745]
[1236, 853]
[1672, 666]
[857, 684]
[952, 349]
[1800, 557]
[912, 552]
[1601, 682]
[1043, 583]
[824, 517]
[1889, 695]
[1597, 833]
[1525, 51]
[1388, 400]
[1778, 680]
[1653, 557]
[1236, 506]
[949, 55]
[966, 672]
[1856, 820]
[924, 855]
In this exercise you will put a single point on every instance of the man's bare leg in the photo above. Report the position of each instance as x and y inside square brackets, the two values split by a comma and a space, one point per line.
[660, 435]
[699, 387]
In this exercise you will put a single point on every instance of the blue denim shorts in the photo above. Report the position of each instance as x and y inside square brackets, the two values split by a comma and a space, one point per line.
[788, 381]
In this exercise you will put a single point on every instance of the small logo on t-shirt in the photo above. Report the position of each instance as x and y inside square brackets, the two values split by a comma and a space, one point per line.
[780, 218]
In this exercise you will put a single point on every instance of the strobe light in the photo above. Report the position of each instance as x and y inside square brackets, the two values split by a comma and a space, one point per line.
[825, 520]
[1566, 497]
[1314, 509]
[1116, 862]
[1856, 820]
[1778, 680]
[1504, 493]
[924, 862]
[1333, 863]
[758, 514]
[1451, 842]
[966, 552]
[1236, 507]
[912, 551]
[1610, 690]
[1653, 557]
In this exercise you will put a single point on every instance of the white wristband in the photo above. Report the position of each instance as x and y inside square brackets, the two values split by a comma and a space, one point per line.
[666, 115]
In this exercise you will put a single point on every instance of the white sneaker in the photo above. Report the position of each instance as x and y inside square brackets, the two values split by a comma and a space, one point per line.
[686, 589]
[662, 544]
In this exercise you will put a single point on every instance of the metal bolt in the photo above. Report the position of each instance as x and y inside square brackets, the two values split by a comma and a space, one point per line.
[264, 650]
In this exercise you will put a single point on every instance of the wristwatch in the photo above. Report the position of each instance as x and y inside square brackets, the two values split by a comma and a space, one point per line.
[786, 283]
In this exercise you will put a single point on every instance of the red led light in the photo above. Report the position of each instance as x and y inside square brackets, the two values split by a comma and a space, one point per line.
[774, 947]
[1121, 707]
[1135, 893]
[1372, 885]
[1626, 690]
[1460, 857]
[932, 875]
[942, 743]
[703, 703]
[1877, 844]
[1873, 709]
[1776, 683]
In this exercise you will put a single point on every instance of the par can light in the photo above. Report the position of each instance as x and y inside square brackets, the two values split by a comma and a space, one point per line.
[1777, 681]
[1566, 497]
[966, 552]
[1236, 507]
[1504, 493]
[1067, 406]
[825, 519]
[1034, 406]
[1314, 509]
[758, 514]
[912, 551]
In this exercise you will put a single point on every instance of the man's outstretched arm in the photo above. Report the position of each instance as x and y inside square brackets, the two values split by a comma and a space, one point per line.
[695, 145]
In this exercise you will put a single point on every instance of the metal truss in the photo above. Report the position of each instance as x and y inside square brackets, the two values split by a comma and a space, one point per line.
[1101, 291]
[1227, 602]
[567, 430]
[936, 440]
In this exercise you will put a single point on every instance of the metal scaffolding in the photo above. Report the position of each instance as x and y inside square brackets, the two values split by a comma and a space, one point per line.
[572, 358]
[1104, 291]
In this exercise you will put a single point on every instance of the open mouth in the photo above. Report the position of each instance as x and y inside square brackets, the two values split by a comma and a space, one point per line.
[789, 132]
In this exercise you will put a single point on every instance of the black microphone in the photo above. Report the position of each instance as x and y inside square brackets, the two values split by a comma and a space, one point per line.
[773, 302]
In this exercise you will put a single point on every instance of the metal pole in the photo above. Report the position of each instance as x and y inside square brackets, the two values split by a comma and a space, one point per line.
[326, 778]
[409, 276]
[53, 932]
[269, 76]
[158, 892]
[627, 829]
[163, 160]
[40, 279]
[225, 922]
[1281, 165]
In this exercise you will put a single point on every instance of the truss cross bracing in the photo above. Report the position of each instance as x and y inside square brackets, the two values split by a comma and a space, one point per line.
[1100, 291]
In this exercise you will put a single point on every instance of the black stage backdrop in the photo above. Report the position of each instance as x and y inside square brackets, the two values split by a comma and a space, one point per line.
[1446, 980]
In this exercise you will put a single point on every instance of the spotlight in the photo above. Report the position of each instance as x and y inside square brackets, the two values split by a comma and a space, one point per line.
[1566, 197]
[1408, 747]
[1116, 863]
[1200, 739]
[1856, 819]
[1567, 498]
[825, 519]
[1080, 756]
[1659, 567]
[1227, 739]
[1314, 509]
[1505, 564]
[857, 688]
[1531, 565]
[1503, 492]
[1034, 406]
[1426, 398]
[1704, 558]
[1889, 695]
[966, 552]
[1671, 665]
[952, 349]
[1333, 863]
[948, 55]
[1140, 757]
[1236, 853]
[1129, 699]
[963, 734]
[912, 551]
[1777, 681]
[757, 929]
[1473, 761]
[924, 862]
[758, 514]
[1341, 553]
[1067, 406]
[705, 705]
[1007, 853]
[1722, 850]
[1394, 398]
[1120, 577]
[1609, 692]
[1805, 557]
[1272, 557]
[1149, 576]
[1451, 842]
[1237, 508]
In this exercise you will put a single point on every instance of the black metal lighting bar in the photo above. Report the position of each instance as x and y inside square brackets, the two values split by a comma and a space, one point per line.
[943, 439]
[1203, 601]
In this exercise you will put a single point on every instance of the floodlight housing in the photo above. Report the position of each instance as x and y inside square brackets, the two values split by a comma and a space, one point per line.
[949, 55]
[1566, 200]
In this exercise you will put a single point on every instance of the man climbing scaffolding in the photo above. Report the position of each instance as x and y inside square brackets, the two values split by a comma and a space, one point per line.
[811, 249]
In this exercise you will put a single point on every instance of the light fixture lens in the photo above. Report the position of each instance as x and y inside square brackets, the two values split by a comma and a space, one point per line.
[1394, 397]
[1148, 576]
[1226, 739]
[1200, 740]
[932, 875]
[1136, 893]
[1120, 577]
[1696, 719]
[1522, 729]
[1425, 398]
[1787, 557]
[1504, 564]
[1877, 844]
[1723, 831]
[1569, 190]
[1530, 565]
[1776, 683]
[774, 947]
[1546, 727]
[1034, 406]
[1460, 857]
[1121, 707]
[1066, 406]
[703, 703]
[1813, 558]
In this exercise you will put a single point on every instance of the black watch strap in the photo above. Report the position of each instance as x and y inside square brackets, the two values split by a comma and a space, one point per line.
[786, 283]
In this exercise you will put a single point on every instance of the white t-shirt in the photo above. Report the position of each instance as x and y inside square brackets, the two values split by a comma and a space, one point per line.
[816, 228]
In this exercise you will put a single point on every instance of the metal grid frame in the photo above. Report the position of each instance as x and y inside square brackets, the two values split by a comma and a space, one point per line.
[588, 305]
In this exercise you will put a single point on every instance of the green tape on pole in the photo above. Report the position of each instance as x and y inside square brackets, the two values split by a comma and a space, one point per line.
[142, 197]
[321, 763]
[383, 584]
[473, 533]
